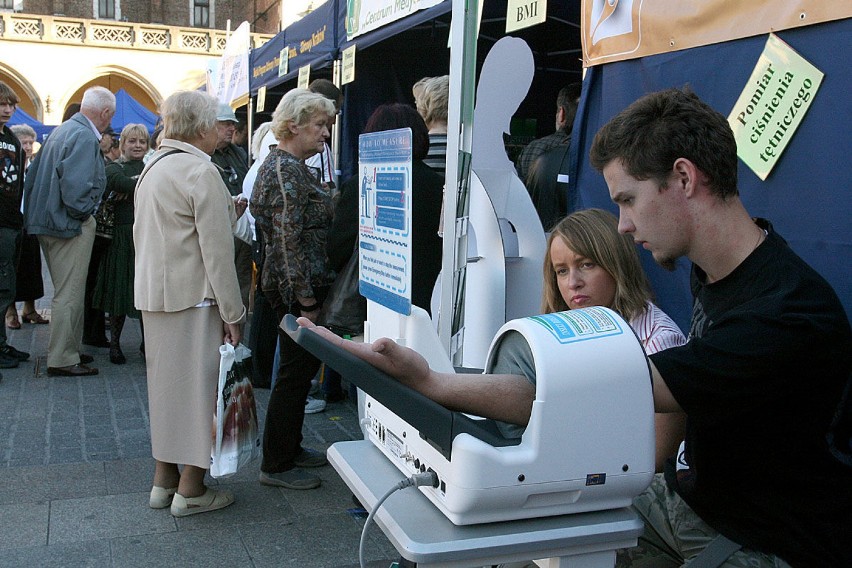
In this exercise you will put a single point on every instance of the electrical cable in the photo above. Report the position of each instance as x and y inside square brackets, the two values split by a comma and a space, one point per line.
[416, 480]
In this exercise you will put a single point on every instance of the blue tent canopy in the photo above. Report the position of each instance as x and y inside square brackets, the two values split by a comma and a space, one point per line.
[21, 117]
[130, 111]
[806, 196]
[313, 41]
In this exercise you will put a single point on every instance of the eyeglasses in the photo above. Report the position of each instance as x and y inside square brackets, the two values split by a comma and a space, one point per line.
[232, 174]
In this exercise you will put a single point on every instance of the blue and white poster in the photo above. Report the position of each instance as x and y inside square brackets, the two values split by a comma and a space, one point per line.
[384, 218]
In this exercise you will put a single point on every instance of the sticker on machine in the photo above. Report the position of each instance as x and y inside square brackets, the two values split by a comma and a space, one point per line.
[581, 324]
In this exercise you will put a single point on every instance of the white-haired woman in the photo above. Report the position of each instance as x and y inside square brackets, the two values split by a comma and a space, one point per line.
[186, 288]
[294, 213]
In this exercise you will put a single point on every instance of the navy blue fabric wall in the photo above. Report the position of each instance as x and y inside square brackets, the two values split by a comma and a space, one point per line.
[808, 196]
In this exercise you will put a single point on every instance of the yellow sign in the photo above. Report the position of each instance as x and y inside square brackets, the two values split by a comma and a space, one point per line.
[772, 105]
[304, 76]
[348, 65]
[522, 14]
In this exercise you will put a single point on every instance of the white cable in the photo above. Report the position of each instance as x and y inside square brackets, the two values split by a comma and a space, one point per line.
[416, 480]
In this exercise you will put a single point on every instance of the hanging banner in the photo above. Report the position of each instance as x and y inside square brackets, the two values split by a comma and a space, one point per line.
[384, 218]
[363, 16]
[614, 30]
[233, 84]
[772, 105]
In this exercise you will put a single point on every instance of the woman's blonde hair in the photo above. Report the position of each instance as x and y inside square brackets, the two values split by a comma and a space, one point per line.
[188, 115]
[296, 108]
[137, 130]
[432, 98]
[593, 234]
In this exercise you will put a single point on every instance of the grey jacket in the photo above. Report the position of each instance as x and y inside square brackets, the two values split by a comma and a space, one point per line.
[65, 181]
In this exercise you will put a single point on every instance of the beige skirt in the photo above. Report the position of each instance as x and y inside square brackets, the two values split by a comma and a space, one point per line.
[182, 356]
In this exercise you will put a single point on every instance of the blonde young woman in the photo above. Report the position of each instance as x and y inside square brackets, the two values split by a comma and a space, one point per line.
[589, 263]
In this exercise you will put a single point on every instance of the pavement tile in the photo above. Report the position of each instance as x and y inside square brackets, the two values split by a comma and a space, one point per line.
[108, 516]
[23, 524]
[92, 554]
[207, 548]
[272, 545]
[41, 483]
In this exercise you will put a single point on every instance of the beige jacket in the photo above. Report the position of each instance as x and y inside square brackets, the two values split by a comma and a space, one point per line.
[183, 235]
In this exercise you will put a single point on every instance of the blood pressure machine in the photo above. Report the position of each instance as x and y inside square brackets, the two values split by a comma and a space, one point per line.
[589, 444]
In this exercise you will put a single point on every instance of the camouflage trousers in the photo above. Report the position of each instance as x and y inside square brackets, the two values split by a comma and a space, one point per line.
[674, 534]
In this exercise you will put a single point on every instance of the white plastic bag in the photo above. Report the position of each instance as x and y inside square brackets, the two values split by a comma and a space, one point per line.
[237, 439]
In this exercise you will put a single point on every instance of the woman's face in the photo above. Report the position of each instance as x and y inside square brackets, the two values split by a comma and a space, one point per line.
[27, 145]
[582, 282]
[134, 147]
[310, 137]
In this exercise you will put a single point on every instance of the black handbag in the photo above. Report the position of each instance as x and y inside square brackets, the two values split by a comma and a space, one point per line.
[105, 216]
[345, 309]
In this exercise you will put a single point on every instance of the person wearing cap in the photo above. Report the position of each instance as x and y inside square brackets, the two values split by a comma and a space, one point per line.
[109, 140]
[233, 167]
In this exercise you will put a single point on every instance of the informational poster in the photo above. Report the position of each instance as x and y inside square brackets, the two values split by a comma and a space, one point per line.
[772, 105]
[348, 74]
[304, 77]
[522, 14]
[384, 218]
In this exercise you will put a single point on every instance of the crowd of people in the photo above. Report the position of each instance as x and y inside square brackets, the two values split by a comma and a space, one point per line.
[184, 221]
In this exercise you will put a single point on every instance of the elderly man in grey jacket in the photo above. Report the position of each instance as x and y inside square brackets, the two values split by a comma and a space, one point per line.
[62, 191]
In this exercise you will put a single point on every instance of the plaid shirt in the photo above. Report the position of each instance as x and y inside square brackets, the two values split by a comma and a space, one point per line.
[536, 148]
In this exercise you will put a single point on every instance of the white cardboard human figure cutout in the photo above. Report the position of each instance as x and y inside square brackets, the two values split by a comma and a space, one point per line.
[507, 242]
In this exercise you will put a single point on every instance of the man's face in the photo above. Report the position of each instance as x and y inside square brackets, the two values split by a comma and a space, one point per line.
[7, 109]
[657, 218]
[103, 119]
[225, 130]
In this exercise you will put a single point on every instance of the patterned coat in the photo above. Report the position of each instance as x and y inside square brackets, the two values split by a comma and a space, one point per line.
[294, 220]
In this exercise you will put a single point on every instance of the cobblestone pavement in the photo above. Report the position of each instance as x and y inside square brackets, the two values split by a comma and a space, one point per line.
[76, 468]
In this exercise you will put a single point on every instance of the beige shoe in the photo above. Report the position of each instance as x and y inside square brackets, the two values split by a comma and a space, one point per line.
[161, 497]
[210, 501]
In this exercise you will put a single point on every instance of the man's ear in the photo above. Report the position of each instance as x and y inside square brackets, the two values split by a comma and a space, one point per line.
[688, 178]
[560, 117]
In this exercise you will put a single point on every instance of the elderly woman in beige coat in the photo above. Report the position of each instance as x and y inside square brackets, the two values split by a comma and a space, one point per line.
[186, 288]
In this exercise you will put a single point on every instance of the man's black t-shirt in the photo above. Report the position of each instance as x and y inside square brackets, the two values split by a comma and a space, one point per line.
[11, 179]
[769, 352]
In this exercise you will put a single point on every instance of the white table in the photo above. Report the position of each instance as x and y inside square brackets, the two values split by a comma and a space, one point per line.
[422, 534]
